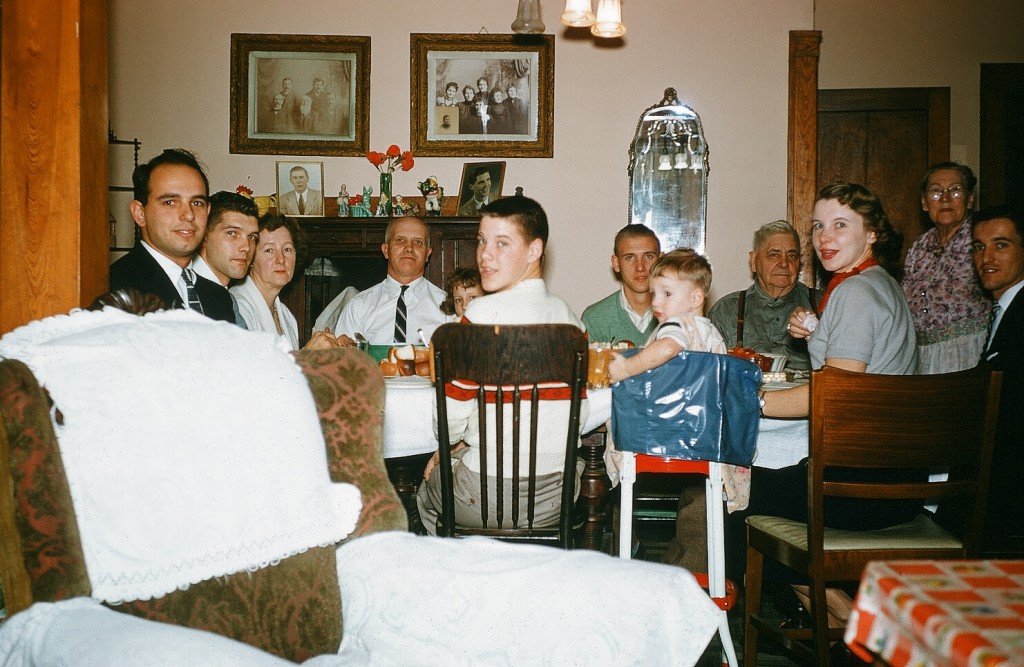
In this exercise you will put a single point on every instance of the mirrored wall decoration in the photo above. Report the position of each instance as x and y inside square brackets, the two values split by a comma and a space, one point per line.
[668, 174]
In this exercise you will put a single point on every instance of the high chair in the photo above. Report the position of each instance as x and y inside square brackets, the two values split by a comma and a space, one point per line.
[721, 590]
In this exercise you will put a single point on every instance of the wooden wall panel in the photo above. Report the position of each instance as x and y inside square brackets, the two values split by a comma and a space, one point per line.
[53, 171]
[804, 49]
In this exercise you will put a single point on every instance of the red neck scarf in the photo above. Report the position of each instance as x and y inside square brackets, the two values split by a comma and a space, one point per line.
[840, 277]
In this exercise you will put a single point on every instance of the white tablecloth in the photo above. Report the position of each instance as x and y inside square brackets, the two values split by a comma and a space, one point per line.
[409, 415]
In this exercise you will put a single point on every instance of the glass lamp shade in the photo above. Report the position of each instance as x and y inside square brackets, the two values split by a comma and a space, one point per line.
[609, 20]
[578, 14]
[528, 21]
[664, 162]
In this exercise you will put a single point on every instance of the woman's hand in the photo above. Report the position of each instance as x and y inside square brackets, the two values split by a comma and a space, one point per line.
[797, 326]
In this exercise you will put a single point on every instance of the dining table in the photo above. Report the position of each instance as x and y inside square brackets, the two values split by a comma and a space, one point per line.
[949, 612]
[409, 442]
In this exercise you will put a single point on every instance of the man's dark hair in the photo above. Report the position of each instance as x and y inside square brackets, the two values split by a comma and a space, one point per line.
[140, 177]
[526, 213]
[1013, 214]
[229, 202]
[634, 231]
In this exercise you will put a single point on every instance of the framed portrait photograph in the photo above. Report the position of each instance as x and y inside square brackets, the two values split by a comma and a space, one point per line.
[482, 95]
[481, 184]
[300, 189]
[300, 94]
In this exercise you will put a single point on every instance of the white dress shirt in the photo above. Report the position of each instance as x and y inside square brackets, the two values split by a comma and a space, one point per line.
[372, 312]
[640, 321]
[172, 270]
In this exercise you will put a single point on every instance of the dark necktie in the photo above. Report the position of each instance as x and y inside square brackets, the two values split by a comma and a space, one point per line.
[302, 204]
[992, 324]
[189, 276]
[400, 316]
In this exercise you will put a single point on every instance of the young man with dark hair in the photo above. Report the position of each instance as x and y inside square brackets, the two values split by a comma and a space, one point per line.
[511, 240]
[170, 207]
[626, 313]
[229, 243]
[998, 254]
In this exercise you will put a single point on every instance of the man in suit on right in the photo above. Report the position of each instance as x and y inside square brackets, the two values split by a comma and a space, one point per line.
[998, 254]
[170, 207]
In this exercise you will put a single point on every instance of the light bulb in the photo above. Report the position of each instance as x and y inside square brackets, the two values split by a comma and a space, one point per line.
[609, 20]
[578, 14]
[528, 21]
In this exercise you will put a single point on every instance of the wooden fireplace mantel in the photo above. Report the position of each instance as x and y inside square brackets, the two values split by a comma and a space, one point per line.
[452, 240]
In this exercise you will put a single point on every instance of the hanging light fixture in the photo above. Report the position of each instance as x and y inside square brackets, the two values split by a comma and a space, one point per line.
[578, 14]
[609, 20]
[528, 21]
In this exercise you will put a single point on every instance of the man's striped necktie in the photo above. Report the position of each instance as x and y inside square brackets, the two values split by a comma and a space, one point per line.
[189, 276]
[400, 316]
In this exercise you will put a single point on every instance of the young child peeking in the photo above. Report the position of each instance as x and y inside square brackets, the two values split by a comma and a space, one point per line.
[462, 286]
[680, 280]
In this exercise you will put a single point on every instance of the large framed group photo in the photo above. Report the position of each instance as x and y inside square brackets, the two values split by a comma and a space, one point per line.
[300, 94]
[482, 95]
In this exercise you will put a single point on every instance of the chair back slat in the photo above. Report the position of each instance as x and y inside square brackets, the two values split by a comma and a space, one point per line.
[511, 365]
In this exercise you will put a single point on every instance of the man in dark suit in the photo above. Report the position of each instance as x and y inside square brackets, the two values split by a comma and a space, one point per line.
[998, 253]
[170, 207]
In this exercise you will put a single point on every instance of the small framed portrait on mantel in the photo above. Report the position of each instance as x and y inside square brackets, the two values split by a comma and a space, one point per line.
[481, 184]
[300, 94]
[485, 95]
[300, 189]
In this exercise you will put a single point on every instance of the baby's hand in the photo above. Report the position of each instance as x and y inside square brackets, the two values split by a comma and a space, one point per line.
[617, 368]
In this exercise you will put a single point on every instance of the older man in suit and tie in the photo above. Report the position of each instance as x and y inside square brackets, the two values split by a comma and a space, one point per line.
[170, 207]
[998, 254]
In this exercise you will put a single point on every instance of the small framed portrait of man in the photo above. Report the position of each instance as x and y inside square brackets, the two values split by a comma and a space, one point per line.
[481, 184]
[300, 189]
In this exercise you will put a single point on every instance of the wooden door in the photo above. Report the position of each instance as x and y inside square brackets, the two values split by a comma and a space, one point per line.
[1002, 134]
[884, 138]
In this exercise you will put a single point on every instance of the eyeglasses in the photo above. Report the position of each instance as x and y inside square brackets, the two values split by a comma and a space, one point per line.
[954, 192]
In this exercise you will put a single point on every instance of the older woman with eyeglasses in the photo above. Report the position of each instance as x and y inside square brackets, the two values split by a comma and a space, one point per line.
[950, 310]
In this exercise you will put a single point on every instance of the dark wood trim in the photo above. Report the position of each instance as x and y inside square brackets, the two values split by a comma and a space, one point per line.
[802, 162]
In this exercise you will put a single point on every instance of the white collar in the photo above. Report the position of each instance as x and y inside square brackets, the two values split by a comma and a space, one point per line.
[172, 269]
[1007, 298]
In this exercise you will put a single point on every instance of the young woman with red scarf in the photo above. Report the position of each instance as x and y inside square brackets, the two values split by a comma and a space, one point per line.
[863, 324]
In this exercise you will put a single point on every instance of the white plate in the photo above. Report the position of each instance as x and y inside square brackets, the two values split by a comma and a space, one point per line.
[407, 382]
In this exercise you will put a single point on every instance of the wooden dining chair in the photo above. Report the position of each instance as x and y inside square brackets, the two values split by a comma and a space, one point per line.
[877, 423]
[514, 366]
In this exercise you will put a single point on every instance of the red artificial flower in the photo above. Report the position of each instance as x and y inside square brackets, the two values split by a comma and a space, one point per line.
[407, 161]
[242, 190]
[394, 150]
[375, 158]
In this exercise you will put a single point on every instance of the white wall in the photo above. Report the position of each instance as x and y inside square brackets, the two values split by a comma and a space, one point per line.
[921, 43]
[169, 86]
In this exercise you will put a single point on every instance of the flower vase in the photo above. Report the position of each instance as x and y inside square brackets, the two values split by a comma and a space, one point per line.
[385, 191]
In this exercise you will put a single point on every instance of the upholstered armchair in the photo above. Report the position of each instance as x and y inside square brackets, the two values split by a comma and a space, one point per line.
[291, 609]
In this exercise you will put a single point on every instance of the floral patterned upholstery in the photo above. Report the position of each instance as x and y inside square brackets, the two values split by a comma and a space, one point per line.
[292, 609]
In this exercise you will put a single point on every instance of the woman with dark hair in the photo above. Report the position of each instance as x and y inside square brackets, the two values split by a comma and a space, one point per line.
[279, 248]
[951, 312]
[862, 324]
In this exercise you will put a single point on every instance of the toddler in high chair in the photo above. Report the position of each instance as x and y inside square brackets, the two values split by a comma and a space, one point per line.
[681, 280]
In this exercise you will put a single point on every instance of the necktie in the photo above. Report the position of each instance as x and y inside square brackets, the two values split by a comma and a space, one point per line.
[302, 204]
[992, 324]
[189, 276]
[400, 316]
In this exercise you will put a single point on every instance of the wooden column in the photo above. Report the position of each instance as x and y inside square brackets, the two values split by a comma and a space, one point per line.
[53, 157]
[802, 165]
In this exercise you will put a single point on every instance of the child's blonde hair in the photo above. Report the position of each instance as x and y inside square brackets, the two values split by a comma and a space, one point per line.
[686, 264]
